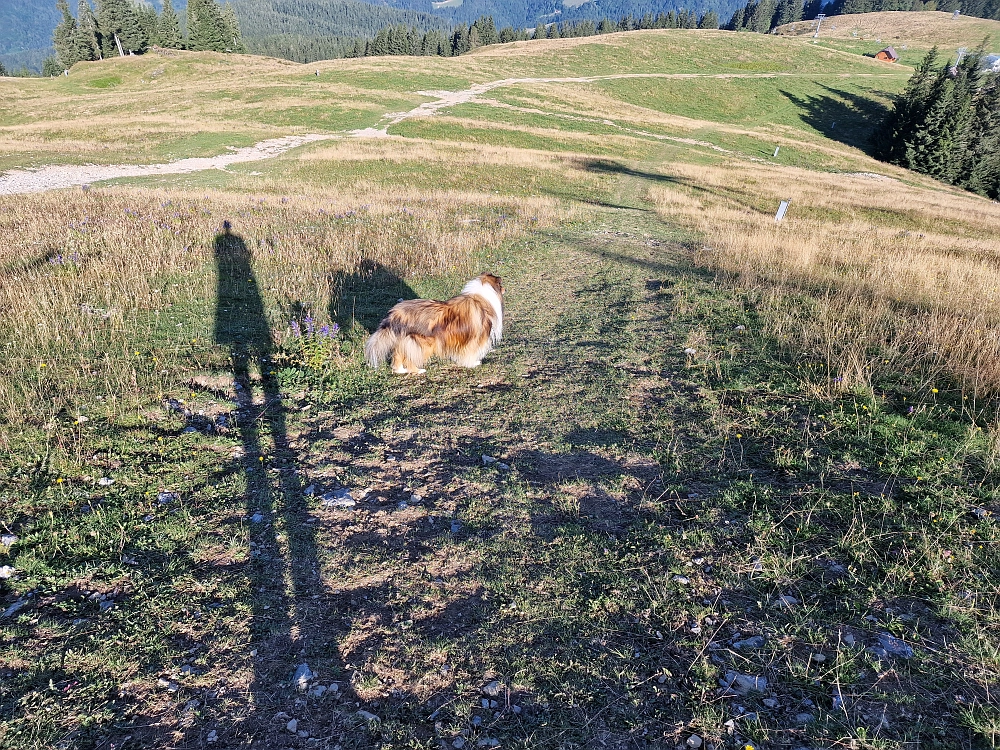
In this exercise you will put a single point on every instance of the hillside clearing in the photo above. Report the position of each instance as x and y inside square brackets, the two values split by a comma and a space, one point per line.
[722, 478]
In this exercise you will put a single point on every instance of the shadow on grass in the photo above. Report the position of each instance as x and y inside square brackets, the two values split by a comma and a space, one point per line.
[841, 115]
[364, 295]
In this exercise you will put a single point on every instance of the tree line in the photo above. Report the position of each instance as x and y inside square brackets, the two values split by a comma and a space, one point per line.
[763, 16]
[124, 27]
[409, 40]
[946, 124]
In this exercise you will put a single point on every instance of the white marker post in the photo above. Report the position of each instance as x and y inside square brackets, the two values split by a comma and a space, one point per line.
[781, 211]
[775, 155]
[819, 22]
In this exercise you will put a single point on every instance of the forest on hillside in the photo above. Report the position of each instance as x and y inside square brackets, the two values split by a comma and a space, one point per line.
[947, 124]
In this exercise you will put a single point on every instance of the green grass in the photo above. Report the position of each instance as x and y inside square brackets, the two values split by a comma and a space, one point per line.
[655, 507]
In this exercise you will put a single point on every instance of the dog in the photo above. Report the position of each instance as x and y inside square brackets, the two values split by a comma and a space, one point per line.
[463, 329]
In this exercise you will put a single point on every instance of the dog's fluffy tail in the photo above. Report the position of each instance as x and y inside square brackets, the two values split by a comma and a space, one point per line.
[379, 346]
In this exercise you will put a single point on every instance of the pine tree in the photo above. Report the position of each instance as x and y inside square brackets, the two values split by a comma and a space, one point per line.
[3, 71]
[119, 19]
[65, 38]
[553, 31]
[50, 67]
[486, 29]
[168, 27]
[736, 23]
[709, 21]
[604, 27]
[89, 38]
[232, 29]
[207, 30]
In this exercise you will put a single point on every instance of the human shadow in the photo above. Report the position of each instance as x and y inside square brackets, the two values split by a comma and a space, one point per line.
[274, 496]
[840, 115]
[363, 295]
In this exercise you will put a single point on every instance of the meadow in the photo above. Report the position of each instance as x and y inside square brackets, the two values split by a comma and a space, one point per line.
[725, 481]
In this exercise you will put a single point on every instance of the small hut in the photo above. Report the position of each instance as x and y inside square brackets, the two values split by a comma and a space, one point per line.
[887, 55]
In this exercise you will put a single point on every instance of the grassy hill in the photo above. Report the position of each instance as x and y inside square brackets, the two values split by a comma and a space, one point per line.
[911, 34]
[723, 478]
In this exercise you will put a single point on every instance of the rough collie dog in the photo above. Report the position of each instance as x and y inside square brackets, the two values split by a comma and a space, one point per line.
[463, 329]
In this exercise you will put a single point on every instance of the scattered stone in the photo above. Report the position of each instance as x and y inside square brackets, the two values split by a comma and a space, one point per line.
[516, 709]
[302, 733]
[416, 499]
[485, 702]
[786, 601]
[281, 716]
[333, 687]
[488, 460]
[819, 658]
[458, 743]
[7, 540]
[682, 580]
[804, 718]
[494, 704]
[338, 499]
[770, 702]
[105, 481]
[213, 736]
[849, 640]
[403, 505]
[488, 742]
[477, 720]
[837, 704]
[7, 571]
[690, 351]
[310, 490]
[694, 741]
[167, 497]
[292, 726]
[455, 527]
[756, 641]
[696, 629]
[253, 652]
[316, 691]
[980, 513]
[302, 677]
[106, 604]
[13, 608]
[165, 684]
[894, 646]
[367, 716]
[492, 688]
[256, 518]
[741, 684]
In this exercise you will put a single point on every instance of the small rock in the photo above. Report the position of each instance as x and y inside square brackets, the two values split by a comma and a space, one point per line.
[292, 726]
[756, 641]
[743, 683]
[485, 702]
[403, 505]
[310, 490]
[416, 499]
[256, 518]
[488, 460]
[13, 608]
[7, 540]
[459, 742]
[494, 704]
[682, 580]
[516, 709]
[281, 716]
[338, 499]
[804, 718]
[819, 658]
[165, 684]
[492, 688]
[894, 646]
[488, 742]
[302, 677]
[166, 497]
[770, 702]
[786, 601]
[316, 691]
[694, 741]
[213, 736]
[333, 687]
[105, 481]
[455, 527]
[477, 720]
[696, 629]
[367, 716]
[7, 571]
[837, 704]
[980, 512]
[253, 652]
[302, 733]
[849, 640]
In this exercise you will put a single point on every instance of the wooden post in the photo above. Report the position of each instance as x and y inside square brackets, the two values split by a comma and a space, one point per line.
[121, 52]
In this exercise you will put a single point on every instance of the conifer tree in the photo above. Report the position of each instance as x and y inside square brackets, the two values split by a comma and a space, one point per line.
[119, 18]
[604, 27]
[168, 27]
[207, 30]
[89, 38]
[234, 39]
[3, 71]
[553, 31]
[66, 37]
[709, 21]
[540, 31]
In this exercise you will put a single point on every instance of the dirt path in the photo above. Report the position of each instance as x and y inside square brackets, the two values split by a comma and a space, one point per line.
[62, 175]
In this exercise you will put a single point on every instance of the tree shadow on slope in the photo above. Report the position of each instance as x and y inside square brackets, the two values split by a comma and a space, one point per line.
[843, 116]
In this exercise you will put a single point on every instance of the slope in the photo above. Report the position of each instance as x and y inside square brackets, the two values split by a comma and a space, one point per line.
[723, 477]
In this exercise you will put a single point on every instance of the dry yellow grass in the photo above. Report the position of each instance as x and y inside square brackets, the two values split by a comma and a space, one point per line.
[923, 29]
[867, 276]
[90, 281]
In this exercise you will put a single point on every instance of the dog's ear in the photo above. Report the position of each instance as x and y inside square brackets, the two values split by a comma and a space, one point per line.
[493, 281]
